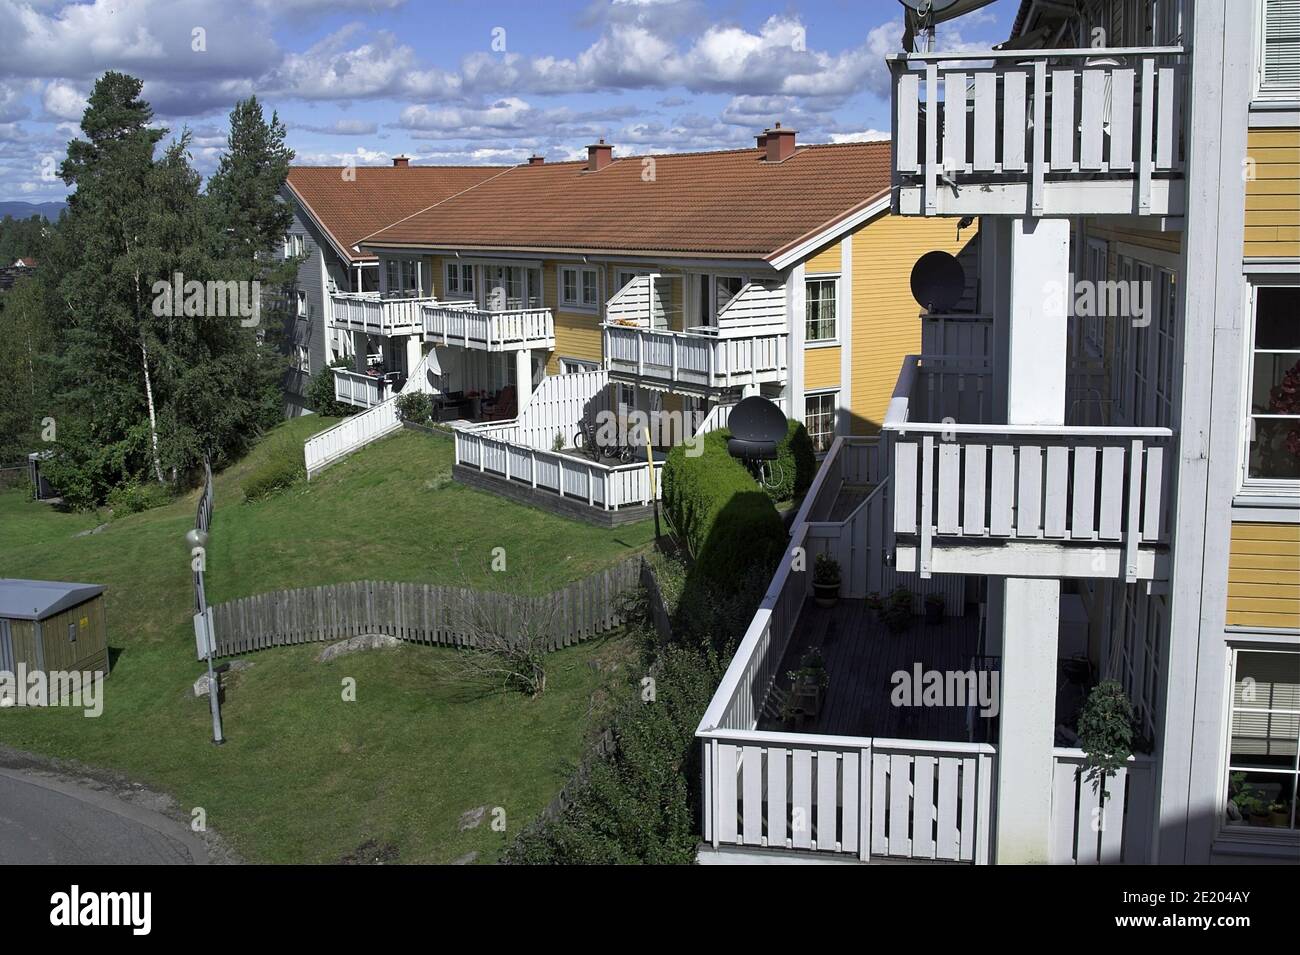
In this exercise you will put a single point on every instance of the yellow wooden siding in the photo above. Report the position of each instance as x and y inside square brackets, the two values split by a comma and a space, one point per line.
[886, 319]
[1273, 194]
[1264, 575]
[1161, 241]
[821, 368]
[577, 334]
[827, 260]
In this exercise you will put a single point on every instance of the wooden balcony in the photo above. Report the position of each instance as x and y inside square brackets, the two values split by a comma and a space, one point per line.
[370, 313]
[698, 361]
[1039, 132]
[971, 496]
[465, 325]
[362, 390]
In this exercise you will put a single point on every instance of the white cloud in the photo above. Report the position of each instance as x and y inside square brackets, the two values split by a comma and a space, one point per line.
[863, 136]
[63, 101]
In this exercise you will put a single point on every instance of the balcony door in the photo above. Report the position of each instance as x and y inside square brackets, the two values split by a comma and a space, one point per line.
[510, 287]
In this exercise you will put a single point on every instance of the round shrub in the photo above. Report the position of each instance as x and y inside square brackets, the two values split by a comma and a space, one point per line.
[415, 406]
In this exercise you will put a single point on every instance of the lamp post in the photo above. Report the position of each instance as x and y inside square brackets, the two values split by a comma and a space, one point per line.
[197, 541]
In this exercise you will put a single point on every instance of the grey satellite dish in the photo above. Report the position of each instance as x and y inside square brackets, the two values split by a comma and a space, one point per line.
[757, 426]
[938, 281]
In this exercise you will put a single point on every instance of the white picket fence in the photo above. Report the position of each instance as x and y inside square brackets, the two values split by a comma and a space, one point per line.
[1018, 134]
[1092, 824]
[350, 434]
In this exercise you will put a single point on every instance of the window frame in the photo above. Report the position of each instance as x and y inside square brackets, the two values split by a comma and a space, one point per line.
[1258, 487]
[462, 271]
[579, 272]
[1258, 92]
[833, 280]
[1247, 833]
[833, 416]
[301, 308]
[579, 365]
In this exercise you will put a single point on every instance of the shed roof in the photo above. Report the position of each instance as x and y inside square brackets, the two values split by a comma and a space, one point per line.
[38, 599]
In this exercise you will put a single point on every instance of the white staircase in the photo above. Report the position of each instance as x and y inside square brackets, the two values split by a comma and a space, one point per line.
[350, 434]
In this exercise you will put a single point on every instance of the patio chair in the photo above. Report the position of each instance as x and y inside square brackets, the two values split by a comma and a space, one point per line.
[505, 405]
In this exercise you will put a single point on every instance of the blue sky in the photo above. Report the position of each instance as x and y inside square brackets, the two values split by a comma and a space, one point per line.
[459, 82]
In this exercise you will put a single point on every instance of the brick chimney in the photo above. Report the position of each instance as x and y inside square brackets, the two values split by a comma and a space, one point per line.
[780, 143]
[401, 161]
[536, 160]
[599, 155]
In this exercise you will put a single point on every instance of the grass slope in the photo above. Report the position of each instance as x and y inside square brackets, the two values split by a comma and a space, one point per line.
[307, 777]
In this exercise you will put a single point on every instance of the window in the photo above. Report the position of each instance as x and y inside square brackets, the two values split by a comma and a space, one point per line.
[302, 359]
[1278, 50]
[1273, 386]
[392, 274]
[819, 419]
[575, 366]
[410, 275]
[288, 246]
[72, 633]
[578, 288]
[299, 245]
[725, 288]
[460, 280]
[819, 309]
[1263, 738]
[302, 303]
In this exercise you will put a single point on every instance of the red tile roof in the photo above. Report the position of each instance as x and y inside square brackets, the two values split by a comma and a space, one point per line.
[730, 203]
[349, 209]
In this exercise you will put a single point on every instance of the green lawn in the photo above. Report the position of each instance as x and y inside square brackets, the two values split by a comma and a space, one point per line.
[307, 777]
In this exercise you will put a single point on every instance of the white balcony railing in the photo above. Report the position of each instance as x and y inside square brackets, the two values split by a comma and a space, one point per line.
[1039, 132]
[375, 315]
[364, 391]
[958, 479]
[466, 325]
[697, 359]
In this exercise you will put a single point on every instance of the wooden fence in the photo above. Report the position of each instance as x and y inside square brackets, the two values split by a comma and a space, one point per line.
[418, 613]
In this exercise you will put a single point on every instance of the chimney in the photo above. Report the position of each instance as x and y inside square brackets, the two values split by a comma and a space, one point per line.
[599, 156]
[780, 143]
[762, 140]
[536, 160]
[401, 161]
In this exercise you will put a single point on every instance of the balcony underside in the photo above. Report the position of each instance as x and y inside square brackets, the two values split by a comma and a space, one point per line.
[1100, 197]
[1021, 558]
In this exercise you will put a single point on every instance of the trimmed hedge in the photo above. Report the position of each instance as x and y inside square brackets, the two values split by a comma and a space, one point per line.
[724, 519]
[798, 463]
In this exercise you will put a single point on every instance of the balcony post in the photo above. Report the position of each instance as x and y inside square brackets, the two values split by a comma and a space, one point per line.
[523, 379]
[1036, 358]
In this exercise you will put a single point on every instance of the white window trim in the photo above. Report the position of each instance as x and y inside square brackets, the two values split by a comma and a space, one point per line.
[579, 305]
[1264, 491]
[447, 268]
[835, 414]
[1228, 836]
[583, 365]
[1257, 93]
[834, 340]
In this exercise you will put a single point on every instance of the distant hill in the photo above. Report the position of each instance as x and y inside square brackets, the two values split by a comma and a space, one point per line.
[25, 210]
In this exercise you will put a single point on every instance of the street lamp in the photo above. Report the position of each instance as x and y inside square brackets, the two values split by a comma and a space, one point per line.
[197, 541]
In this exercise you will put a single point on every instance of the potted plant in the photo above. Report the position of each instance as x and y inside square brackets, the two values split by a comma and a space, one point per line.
[934, 608]
[896, 614]
[826, 580]
[874, 604]
[807, 684]
[1279, 815]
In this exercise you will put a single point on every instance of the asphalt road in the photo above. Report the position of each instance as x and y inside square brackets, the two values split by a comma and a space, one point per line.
[50, 820]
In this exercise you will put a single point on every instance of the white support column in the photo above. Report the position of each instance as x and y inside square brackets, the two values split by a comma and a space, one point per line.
[794, 301]
[1027, 719]
[414, 352]
[359, 351]
[844, 321]
[1039, 266]
[523, 377]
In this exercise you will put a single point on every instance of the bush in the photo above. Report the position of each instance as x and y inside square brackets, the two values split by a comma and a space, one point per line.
[726, 523]
[415, 406]
[1106, 728]
[797, 462]
[282, 468]
[134, 497]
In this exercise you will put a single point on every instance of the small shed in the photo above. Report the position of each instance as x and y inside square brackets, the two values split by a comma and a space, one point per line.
[52, 625]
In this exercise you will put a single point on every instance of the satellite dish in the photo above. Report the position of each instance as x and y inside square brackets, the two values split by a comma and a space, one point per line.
[757, 426]
[938, 281]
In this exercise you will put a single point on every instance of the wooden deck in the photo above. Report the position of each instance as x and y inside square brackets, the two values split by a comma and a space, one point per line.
[861, 655]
